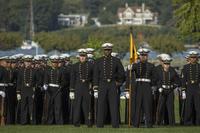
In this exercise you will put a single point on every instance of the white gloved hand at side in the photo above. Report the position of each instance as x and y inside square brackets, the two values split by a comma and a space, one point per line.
[18, 97]
[71, 95]
[96, 93]
[45, 87]
[3, 94]
[183, 95]
[129, 67]
[160, 90]
[126, 95]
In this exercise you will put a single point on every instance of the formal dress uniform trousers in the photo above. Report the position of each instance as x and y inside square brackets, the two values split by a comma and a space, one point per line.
[39, 95]
[18, 102]
[81, 77]
[191, 80]
[2, 88]
[65, 92]
[10, 95]
[109, 74]
[26, 79]
[167, 81]
[144, 80]
[53, 80]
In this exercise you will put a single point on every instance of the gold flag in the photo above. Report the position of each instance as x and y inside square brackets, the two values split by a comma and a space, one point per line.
[133, 51]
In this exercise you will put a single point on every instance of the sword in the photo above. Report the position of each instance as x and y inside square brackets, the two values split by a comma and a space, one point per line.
[17, 113]
[126, 110]
[157, 110]
[182, 111]
[71, 111]
[45, 109]
[90, 110]
[95, 109]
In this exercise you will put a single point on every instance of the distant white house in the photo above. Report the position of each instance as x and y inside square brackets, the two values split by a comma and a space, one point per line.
[72, 20]
[136, 15]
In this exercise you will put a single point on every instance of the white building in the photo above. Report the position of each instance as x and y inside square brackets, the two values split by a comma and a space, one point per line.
[72, 20]
[136, 15]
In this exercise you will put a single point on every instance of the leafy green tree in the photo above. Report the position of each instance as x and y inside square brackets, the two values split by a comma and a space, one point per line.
[106, 17]
[163, 8]
[165, 43]
[187, 17]
[95, 43]
[13, 14]
[46, 13]
[10, 40]
[73, 6]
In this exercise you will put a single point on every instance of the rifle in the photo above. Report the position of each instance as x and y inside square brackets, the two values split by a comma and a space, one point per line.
[2, 112]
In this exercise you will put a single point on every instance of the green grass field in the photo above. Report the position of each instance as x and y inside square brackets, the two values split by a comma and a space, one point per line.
[107, 129]
[84, 129]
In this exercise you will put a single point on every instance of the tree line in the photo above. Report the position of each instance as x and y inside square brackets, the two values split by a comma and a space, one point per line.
[14, 13]
[159, 38]
[184, 27]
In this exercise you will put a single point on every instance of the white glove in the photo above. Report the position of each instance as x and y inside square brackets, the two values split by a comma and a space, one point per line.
[129, 67]
[45, 87]
[127, 95]
[3, 94]
[96, 93]
[183, 95]
[18, 97]
[71, 95]
[160, 90]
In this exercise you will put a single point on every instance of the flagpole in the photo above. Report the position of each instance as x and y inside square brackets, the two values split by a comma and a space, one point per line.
[133, 59]
[130, 81]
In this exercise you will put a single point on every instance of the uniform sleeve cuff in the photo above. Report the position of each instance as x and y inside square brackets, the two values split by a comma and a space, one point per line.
[71, 89]
[95, 87]
[126, 90]
[183, 89]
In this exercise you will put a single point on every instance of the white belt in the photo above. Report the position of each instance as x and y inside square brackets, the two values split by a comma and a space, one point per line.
[54, 85]
[143, 80]
[10, 84]
[167, 86]
[2, 84]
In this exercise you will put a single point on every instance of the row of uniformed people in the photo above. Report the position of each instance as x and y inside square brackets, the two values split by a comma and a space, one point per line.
[30, 81]
[161, 81]
[22, 83]
[102, 77]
